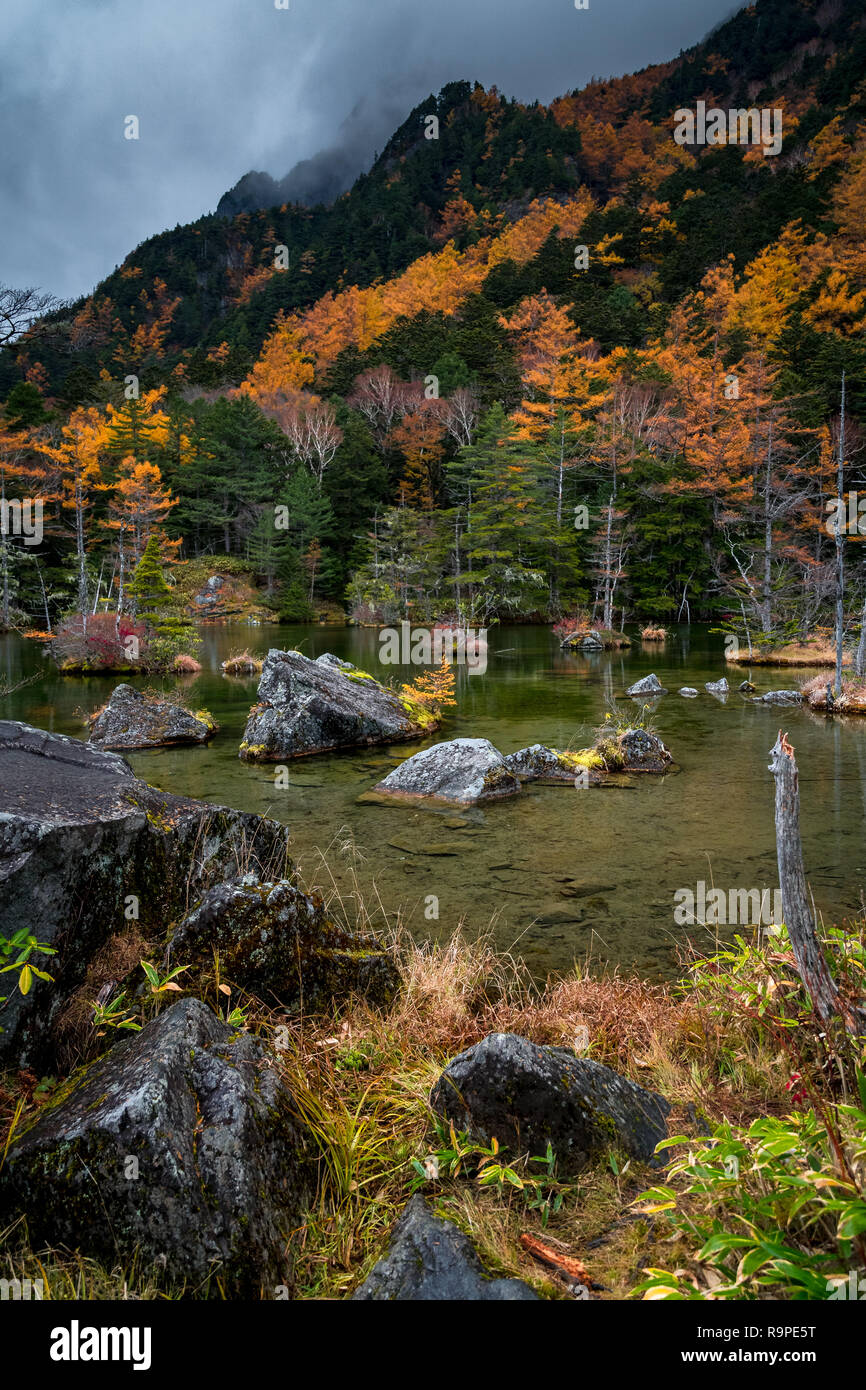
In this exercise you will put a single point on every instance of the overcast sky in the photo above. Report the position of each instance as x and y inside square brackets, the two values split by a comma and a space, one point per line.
[224, 86]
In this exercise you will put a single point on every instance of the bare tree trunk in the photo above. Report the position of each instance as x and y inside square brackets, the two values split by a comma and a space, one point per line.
[860, 659]
[44, 594]
[840, 546]
[4, 558]
[811, 965]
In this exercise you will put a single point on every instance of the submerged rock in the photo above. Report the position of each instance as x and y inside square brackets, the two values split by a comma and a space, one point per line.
[429, 1259]
[129, 720]
[463, 770]
[278, 943]
[181, 1142]
[647, 685]
[779, 697]
[85, 849]
[309, 707]
[507, 1088]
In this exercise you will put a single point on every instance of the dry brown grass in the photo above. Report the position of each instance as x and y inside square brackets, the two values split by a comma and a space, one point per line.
[75, 1037]
[242, 664]
[654, 634]
[186, 665]
[816, 650]
[851, 701]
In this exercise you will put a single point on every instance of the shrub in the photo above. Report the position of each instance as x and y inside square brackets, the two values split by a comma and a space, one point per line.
[107, 643]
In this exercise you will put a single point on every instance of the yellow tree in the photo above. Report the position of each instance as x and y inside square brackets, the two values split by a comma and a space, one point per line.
[138, 506]
[78, 456]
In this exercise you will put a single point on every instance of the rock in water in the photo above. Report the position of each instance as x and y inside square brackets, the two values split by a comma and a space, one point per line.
[309, 706]
[688, 692]
[583, 642]
[182, 1140]
[462, 770]
[131, 721]
[719, 688]
[527, 1096]
[84, 847]
[429, 1259]
[278, 943]
[779, 697]
[644, 751]
[746, 688]
[647, 685]
[538, 763]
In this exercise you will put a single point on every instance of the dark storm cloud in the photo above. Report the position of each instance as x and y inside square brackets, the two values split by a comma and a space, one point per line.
[224, 86]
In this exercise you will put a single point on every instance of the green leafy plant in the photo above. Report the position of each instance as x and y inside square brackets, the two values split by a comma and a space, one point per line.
[461, 1155]
[769, 1207]
[114, 1015]
[22, 946]
[160, 983]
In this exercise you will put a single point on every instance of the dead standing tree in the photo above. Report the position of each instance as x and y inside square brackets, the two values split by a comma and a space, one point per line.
[797, 911]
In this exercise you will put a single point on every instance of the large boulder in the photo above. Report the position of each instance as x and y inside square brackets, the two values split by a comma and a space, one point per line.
[647, 685]
[85, 848]
[779, 697]
[463, 770]
[507, 1088]
[276, 942]
[429, 1259]
[182, 1143]
[130, 720]
[309, 706]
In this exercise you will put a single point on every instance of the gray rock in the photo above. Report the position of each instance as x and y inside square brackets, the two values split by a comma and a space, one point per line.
[644, 751]
[462, 770]
[647, 685]
[182, 1142]
[430, 1260]
[587, 642]
[131, 721]
[718, 688]
[545, 764]
[688, 692]
[526, 1096]
[779, 697]
[746, 688]
[309, 706]
[279, 944]
[80, 836]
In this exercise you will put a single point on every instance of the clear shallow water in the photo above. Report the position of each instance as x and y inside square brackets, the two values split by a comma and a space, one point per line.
[630, 847]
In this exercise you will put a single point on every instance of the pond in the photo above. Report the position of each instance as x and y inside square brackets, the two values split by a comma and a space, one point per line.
[559, 873]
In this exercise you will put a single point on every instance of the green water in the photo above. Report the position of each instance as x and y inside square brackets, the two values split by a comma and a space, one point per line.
[630, 846]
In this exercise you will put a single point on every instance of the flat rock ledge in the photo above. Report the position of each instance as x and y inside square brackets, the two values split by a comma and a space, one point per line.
[526, 1096]
[82, 843]
[430, 1260]
[182, 1144]
[307, 707]
[129, 720]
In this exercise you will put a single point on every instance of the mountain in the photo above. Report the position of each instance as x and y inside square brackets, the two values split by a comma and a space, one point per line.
[216, 276]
